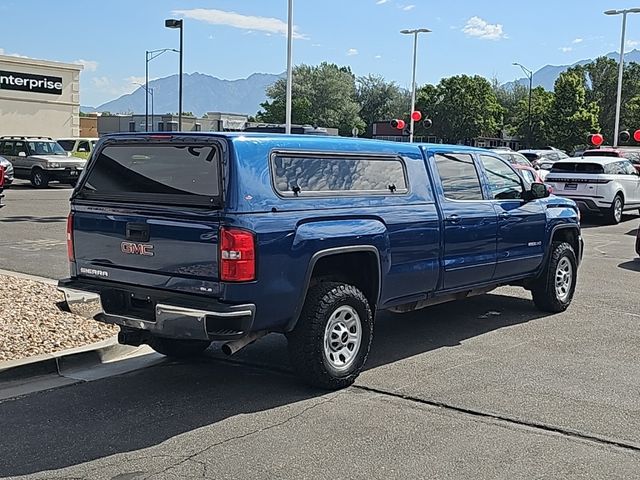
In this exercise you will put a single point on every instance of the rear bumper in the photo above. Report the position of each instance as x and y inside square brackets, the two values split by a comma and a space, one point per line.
[169, 315]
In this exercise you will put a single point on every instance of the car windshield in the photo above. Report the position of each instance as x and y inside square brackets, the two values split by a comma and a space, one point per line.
[46, 148]
[531, 156]
[600, 153]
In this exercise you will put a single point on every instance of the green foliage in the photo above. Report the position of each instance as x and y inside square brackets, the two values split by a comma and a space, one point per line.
[461, 107]
[573, 117]
[324, 95]
[509, 98]
[381, 100]
[541, 106]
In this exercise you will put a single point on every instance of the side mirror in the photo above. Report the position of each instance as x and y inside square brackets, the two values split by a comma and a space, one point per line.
[22, 154]
[538, 190]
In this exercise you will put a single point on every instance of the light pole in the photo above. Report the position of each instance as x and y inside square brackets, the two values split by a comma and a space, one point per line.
[415, 33]
[148, 91]
[621, 66]
[150, 55]
[529, 74]
[173, 23]
[287, 128]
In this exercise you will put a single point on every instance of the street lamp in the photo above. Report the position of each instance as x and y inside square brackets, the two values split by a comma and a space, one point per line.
[173, 23]
[148, 91]
[150, 55]
[288, 106]
[529, 74]
[415, 33]
[621, 66]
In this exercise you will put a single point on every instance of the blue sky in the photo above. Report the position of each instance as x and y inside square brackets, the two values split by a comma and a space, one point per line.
[233, 38]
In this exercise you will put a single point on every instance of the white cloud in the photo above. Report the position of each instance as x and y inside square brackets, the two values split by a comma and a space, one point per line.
[408, 7]
[577, 40]
[352, 51]
[117, 88]
[381, 2]
[479, 28]
[316, 45]
[4, 52]
[566, 49]
[89, 65]
[237, 20]
[631, 43]
[378, 57]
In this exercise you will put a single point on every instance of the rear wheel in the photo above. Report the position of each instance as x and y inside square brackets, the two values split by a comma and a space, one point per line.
[614, 216]
[554, 290]
[176, 348]
[39, 178]
[331, 341]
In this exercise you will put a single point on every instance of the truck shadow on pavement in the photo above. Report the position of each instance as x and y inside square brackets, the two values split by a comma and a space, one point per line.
[73, 425]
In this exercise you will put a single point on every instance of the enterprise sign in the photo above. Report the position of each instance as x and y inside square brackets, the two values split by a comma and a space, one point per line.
[27, 82]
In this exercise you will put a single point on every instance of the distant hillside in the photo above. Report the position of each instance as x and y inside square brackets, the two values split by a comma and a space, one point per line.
[202, 94]
[547, 75]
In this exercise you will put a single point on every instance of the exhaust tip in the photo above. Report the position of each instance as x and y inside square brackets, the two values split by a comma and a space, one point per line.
[227, 350]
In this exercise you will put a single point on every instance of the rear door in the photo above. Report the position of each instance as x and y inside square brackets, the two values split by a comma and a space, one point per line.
[521, 225]
[470, 222]
[632, 183]
[147, 212]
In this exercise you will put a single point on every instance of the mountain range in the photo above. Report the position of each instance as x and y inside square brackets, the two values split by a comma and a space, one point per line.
[547, 75]
[202, 93]
[205, 93]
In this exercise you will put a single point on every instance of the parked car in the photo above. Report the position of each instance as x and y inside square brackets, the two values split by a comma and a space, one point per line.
[531, 175]
[185, 238]
[638, 241]
[78, 147]
[2, 180]
[544, 159]
[602, 185]
[630, 153]
[8, 171]
[40, 160]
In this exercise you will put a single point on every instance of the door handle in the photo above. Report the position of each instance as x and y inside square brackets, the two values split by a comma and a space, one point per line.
[504, 215]
[453, 218]
[137, 232]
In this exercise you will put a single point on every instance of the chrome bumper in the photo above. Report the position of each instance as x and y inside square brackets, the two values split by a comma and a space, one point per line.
[170, 320]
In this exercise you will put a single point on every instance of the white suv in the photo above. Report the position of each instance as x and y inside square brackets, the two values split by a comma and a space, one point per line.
[603, 185]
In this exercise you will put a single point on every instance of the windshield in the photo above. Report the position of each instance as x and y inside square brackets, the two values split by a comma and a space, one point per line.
[531, 156]
[46, 148]
[600, 153]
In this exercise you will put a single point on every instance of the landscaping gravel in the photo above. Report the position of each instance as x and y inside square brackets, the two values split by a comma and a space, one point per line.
[31, 323]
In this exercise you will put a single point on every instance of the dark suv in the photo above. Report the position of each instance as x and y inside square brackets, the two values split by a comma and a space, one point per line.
[40, 160]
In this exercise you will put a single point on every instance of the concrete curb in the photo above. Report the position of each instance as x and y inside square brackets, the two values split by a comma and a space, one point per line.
[73, 358]
[25, 276]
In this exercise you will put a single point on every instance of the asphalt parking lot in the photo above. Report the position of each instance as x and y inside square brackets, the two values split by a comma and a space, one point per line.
[484, 388]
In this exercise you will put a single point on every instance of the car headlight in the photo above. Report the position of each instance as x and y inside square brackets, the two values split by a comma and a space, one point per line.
[53, 165]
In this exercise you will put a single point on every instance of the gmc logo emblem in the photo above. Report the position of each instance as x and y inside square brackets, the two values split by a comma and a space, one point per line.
[130, 248]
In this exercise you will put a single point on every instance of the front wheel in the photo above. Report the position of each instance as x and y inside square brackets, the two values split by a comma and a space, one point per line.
[39, 178]
[330, 343]
[554, 290]
[177, 348]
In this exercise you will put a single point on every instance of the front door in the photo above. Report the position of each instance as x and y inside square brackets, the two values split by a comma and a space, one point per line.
[521, 225]
[470, 222]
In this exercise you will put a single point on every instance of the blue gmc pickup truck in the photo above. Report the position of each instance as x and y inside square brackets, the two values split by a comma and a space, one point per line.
[183, 239]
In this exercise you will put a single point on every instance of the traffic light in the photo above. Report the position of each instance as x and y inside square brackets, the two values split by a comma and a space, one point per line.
[596, 139]
[398, 123]
[427, 123]
[624, 136]
[416, 116]
[636, 135]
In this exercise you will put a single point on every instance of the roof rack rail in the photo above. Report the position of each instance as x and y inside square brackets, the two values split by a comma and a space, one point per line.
[24, 137]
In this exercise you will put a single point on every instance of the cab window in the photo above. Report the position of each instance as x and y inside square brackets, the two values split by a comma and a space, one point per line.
[504, 183]
[459, 177]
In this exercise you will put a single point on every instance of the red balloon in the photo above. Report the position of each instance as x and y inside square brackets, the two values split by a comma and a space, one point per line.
[597, 139]
[416, 116]
[636, 135]
[401, 124]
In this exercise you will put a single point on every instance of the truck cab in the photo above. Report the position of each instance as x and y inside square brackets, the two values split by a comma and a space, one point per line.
[184, 239]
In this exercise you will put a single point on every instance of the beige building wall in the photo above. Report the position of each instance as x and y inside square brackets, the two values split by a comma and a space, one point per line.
[34, 113]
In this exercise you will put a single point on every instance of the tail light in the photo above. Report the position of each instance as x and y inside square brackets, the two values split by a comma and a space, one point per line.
[237, 255]
[1, 177]
[70, 252]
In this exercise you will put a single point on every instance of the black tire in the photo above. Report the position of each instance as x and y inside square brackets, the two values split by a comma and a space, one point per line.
[39, 178]
[545, 293]
[306, 341]
[614, 215]
[176, 348]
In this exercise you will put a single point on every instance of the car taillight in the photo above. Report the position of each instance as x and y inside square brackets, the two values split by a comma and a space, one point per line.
[70, 252]
[1, 177]
[237, 255]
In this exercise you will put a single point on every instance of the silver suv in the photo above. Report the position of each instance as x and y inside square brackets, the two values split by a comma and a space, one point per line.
[40, 160]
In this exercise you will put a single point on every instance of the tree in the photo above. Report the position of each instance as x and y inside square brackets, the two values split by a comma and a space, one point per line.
[324, 95]
[381, 100]
[461, 107]
[509, 98]
[541, 111]
[572, 118]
